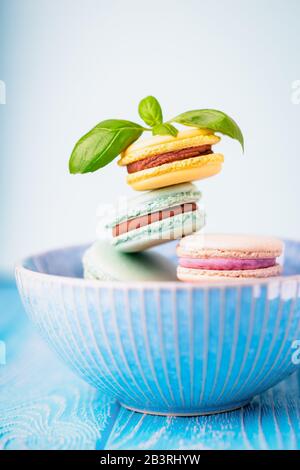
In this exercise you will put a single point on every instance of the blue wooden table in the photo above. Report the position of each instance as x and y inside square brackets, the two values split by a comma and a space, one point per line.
[44, 406]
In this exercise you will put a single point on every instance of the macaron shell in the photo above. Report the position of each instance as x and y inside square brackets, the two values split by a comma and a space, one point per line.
[229, 246]
[138, 245]
[160, 232]
[163, 144]
[191, 169]
[96, 273]
[103, 262]
[198, 275]
[152, 201]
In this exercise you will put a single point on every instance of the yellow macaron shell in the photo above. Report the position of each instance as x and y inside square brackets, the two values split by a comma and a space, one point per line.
[190, 169]
[162, 144]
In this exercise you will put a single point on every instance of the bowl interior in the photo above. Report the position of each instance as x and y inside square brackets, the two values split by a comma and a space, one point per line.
[67, 261]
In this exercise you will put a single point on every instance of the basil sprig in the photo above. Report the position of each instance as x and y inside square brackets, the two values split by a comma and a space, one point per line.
[151, 113]
[109, 138]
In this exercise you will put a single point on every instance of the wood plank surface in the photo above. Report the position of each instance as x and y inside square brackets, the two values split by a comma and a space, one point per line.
[271, 421]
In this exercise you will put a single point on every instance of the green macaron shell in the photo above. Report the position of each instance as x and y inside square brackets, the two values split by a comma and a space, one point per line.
[154, 201]
[103, 262]
[159, 232]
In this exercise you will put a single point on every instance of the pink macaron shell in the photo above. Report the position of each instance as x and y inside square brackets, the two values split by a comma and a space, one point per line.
[226, 264]
[200, 275]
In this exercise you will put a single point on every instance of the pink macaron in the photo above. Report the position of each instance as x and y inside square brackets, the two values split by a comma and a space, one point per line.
[217, 256]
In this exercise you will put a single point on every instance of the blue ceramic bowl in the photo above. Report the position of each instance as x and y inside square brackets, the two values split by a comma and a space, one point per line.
[167, 348]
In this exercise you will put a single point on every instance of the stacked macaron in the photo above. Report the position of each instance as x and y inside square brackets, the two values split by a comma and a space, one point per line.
[155, 217]
[219, 257]
[104, 263]
[167, 160]
[169, 210]
[164, 165]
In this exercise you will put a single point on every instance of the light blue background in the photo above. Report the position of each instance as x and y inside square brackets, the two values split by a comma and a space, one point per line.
[69, 64]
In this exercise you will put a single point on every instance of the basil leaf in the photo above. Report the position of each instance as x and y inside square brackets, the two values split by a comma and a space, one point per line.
[150, 111]
[165, 129]
[213, 120]
[102, 144]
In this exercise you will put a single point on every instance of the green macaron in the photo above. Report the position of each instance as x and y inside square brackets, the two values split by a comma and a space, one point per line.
[103, 262]
[155, 217]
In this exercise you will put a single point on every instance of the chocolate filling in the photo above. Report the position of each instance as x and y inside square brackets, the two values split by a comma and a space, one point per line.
[157, 160]
[148, 219]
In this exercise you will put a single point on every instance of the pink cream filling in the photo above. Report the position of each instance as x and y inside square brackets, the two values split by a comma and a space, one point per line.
[226, 264]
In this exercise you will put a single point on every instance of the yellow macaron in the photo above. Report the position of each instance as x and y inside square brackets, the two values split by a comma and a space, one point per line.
[166, 160]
